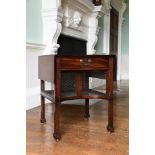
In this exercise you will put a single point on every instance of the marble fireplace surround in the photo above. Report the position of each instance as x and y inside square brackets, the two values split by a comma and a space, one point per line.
[75, 18]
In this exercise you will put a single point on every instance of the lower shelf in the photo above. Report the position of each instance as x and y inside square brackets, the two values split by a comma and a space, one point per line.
[70, 95]
[90, 94]
[48, 94]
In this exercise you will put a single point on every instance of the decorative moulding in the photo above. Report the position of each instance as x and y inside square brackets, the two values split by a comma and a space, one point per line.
[52, 18]
[117, 4]
[35, 46]
[122, 11]
[98, 12]
[53, 13]
[83, 5]
[76, 18]
[107, 6]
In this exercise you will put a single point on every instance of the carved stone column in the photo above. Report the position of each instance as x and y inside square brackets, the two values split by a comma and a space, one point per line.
[52, 17]
[94, 29]
[106, 37]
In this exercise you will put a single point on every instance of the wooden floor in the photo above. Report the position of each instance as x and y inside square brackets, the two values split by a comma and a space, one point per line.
[81, 136]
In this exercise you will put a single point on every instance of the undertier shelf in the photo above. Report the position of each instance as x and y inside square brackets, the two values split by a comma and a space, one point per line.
[70, 95]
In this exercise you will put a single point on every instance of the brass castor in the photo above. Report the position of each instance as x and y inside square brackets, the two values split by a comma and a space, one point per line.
[57, 140]
[43, 120]
[110, 128]
[57, 136]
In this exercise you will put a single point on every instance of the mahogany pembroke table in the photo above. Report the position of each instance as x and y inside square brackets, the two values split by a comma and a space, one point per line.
[53, 68]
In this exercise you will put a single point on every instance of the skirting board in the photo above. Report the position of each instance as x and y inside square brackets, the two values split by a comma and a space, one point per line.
[33, 98]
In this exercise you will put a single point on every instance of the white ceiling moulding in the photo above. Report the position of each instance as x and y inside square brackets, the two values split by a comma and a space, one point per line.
[76, 18]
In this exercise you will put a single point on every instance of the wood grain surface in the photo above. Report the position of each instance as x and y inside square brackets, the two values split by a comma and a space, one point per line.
[81, 136]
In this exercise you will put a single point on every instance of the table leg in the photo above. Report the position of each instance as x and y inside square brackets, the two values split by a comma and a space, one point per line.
[57, 113]
[87, 115]
[110, 127]
[57, 133]
[42, 87]
[42, 119]
[109, 92]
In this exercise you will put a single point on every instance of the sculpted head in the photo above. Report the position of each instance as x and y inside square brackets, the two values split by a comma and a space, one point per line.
[77, 18]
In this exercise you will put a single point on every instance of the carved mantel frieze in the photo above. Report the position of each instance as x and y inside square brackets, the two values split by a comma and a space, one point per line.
[73, 20]
[76, 18]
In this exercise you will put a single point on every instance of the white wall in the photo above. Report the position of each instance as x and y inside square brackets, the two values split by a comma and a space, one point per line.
[125, 46]
[125, 66]
[32, 82]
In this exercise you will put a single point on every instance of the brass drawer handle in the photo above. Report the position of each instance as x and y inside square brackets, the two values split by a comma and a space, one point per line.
[81, 60]
[86, 60]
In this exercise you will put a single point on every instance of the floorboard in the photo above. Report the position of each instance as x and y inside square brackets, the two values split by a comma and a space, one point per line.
[81, 136]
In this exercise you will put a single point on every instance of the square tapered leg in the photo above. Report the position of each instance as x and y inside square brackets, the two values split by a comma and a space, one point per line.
[42, 119]
[110, 127]
[87, 115]
[57, 133]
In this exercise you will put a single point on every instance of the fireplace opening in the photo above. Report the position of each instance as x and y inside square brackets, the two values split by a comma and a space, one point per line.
[71, 46]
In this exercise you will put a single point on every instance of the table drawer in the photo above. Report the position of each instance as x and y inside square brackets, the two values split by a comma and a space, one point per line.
[83, 63]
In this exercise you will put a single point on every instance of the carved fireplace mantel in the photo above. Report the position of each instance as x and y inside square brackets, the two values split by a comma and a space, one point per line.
[76, 18]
